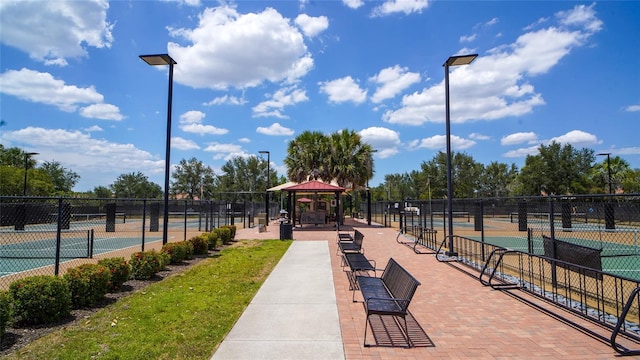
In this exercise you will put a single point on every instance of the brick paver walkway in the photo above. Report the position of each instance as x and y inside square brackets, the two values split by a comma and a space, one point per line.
[461, 318]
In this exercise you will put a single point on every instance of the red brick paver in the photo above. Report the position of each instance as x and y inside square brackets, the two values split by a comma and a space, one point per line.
[462, 318]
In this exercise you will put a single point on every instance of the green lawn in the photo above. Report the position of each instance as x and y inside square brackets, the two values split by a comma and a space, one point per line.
[182, 317]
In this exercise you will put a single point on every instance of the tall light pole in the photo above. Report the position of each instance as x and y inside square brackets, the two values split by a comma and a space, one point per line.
[451, 61]
[26, 167]
[266, 193]
[608, 169]
[155, 60]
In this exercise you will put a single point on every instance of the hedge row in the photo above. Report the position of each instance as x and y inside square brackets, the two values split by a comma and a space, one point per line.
[46, 299]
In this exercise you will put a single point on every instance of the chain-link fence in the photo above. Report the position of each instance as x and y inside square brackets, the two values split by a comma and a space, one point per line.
[45, 236]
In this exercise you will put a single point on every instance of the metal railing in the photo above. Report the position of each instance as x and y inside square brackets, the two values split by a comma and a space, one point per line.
[579, 253]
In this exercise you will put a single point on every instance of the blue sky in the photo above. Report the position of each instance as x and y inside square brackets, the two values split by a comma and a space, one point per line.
[252, 75]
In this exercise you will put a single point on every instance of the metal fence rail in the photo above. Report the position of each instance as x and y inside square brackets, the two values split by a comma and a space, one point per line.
[47, 235]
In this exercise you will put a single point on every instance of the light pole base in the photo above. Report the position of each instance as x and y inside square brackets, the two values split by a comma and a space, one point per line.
[451, 253]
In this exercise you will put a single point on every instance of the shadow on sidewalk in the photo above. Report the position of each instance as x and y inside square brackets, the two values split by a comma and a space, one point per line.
[388, 332]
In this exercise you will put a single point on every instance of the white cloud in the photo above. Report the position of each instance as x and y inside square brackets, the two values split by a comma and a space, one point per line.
[203, 129]
[577, 138]
[243, 50]
[191, 122]
[392, 81]
[312, 26]
[97, 161]
[275, 129]
[519, 138]
[53, 31]
[244, 140]
[633, 108]
[43, 88]
[404, 6]
[468, 38]
[93, 128]
[384, 140]
[194, 3]
[226, 100]
[226, 151]
[102, 111]
[354, 4]
[522, 152]
[497, 85]
[477, 136]
[343, 90]
[439, 142]
[183, 144]
[192, 117]
[283, 97]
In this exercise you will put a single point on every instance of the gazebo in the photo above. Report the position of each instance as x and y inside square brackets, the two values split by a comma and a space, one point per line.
[311, 187]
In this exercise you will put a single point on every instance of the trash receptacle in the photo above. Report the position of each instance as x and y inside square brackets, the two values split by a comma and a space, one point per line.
[286, 231]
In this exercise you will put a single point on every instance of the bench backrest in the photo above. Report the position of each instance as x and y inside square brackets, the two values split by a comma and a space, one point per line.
[358, 237]
[399, 282]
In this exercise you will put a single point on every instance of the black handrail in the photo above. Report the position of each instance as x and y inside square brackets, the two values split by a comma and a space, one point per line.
[620, 349]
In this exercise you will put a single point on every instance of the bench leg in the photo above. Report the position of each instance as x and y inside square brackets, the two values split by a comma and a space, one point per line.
[366, 324]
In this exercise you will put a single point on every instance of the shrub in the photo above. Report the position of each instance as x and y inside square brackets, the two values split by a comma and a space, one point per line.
[213, 239]
[4, 313]
[188, 245]
[120, 272]
[145, 264]
[177, 251]
[88, 284]
[200, 245]
[232, 228]
[42, 299]
[224, 233]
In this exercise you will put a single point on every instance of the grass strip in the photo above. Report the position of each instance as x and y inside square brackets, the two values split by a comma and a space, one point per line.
[182, 317]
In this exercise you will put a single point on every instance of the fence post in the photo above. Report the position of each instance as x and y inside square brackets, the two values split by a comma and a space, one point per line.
[522, 216]
[56, 270]
[111, 217]
[566, 216]
[609, 216]
[144, 220]
[154, 220]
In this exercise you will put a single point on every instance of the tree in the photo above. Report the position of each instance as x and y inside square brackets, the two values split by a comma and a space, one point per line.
[340, 156]
[135, 185]
[244, 175]
[102, 192]
[497, 179]
[194, 179]
[350, 162]
[307, 156]
[622, 176]
[556, 169]
[63, 179]
[15, 157]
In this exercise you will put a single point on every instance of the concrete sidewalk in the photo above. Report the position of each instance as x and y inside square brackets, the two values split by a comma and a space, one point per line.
[294, 315]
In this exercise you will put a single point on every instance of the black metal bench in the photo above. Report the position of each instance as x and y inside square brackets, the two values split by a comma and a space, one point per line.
[389, 294]
[358, 265]
[354, 246]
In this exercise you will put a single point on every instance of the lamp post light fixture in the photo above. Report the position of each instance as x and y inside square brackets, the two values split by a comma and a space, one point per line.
[26, 167]
[451, 61]
[608, 169]
[155, 60]
[266, 193]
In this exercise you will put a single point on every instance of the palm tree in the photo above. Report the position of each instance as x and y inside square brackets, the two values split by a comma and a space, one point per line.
[350, 163]
[307, 157]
